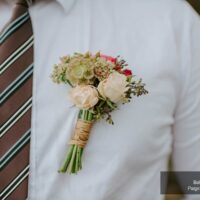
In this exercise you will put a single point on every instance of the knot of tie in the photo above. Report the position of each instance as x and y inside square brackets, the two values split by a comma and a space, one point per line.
[25, 3]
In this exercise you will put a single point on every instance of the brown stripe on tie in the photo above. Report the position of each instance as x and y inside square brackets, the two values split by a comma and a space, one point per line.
[20, 65]
[19, 98]
[12, 44]
[21, 190]
[14, 167]
[19, 131]
[16, 65]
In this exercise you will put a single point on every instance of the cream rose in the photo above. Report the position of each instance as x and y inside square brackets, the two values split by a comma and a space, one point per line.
[84, 96]
[114, 87]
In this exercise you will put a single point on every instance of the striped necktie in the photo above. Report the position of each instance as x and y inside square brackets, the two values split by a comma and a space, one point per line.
[16, 69]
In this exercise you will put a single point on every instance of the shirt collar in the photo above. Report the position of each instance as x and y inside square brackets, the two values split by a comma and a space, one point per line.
[67, 4]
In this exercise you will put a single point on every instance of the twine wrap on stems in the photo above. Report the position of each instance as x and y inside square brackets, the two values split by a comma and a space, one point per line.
[73, 160]
[81, 133]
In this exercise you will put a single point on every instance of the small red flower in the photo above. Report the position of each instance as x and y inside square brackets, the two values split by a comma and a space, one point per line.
[109, 58]
[127, 72]
[118, 68]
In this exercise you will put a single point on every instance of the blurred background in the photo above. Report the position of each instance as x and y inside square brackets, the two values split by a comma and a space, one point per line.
[173, 186]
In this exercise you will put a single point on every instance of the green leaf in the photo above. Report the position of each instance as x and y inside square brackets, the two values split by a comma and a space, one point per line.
[110, 104]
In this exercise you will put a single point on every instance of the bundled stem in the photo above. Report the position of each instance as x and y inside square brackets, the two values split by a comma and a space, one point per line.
[73, 159]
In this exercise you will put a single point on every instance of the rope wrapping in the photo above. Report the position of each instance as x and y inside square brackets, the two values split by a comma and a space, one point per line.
[81, 133]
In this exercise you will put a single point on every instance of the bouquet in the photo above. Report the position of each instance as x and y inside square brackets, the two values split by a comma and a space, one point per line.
[99, 84]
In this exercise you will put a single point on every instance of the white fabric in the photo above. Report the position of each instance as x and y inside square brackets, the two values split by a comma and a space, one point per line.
[160, 41]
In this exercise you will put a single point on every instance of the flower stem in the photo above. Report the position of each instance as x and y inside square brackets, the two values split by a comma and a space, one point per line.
[73, 160]
[67, 159]
[71, 167]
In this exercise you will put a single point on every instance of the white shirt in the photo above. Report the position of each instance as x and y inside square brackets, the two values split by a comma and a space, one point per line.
[160, 41]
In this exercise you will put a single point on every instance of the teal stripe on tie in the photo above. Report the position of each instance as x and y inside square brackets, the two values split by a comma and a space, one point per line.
[20, 80]
[15, 182]
[15, 55]
[12, 120]
[15, 149]
[13, 26]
